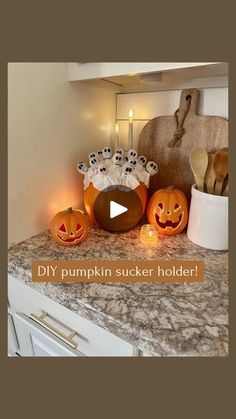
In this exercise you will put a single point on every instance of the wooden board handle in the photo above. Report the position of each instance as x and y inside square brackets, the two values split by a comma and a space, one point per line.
[194, 94]
[187, 108]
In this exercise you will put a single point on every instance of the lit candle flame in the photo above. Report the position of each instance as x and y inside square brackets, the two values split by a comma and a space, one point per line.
[131, 115]
[117, 135]
[117, 128]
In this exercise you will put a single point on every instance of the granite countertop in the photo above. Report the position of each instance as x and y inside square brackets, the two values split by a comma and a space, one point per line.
[164, 319]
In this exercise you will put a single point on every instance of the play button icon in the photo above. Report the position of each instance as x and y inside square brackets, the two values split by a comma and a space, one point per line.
[116, 209]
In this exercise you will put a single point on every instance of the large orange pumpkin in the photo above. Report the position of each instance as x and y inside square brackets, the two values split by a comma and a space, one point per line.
[129, 220]
[69, 227]
[168, 211]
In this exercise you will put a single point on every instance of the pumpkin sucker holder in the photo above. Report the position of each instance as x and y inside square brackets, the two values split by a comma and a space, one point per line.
[121, 178]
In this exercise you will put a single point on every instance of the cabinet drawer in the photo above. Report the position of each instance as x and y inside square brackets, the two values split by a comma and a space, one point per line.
[92, 339]
[35, 340]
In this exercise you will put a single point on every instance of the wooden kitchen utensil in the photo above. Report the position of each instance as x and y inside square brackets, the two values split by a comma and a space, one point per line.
[199, 161]
[225, 187]
[221, 168]
[226, 191]
[209, 132]
[210, 175]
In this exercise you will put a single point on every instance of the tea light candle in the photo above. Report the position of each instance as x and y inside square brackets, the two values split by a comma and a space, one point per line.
[149, 235]
[130, 134]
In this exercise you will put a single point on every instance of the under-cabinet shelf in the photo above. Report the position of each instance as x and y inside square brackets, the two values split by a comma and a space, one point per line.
[138, 77]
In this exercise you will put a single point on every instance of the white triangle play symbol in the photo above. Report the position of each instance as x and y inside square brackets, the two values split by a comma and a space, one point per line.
[116, 209]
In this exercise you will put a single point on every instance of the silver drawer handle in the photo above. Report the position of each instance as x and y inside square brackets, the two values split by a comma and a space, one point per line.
[67, 339]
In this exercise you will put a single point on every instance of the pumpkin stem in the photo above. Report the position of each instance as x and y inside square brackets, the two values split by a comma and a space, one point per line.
[69, 210]
[170, 188]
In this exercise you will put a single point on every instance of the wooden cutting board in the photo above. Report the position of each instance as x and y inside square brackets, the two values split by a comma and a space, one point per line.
[210, 132]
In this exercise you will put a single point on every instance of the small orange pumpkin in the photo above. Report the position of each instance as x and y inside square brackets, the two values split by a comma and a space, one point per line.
[69, 227]
[168, 211]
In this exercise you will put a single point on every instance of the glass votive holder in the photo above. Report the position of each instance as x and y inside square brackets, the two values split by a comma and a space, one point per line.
[149, 235]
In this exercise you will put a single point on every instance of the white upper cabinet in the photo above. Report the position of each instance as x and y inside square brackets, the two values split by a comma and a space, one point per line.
[85, 71]
[130, 77]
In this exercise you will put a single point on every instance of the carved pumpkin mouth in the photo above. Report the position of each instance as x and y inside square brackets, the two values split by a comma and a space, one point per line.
[168, 223]
[71, 239]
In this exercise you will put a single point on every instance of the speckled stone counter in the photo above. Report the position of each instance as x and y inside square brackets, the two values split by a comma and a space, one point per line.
[164, 319]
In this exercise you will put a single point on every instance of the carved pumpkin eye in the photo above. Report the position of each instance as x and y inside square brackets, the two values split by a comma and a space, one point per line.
[62, 228]
[177, 206]
[78, 226]
[160, 205]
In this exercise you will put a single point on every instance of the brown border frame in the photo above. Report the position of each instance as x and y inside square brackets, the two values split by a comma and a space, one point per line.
[180, 31]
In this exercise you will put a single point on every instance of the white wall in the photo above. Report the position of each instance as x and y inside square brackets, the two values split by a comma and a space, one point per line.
[213, 101]
[51, 125]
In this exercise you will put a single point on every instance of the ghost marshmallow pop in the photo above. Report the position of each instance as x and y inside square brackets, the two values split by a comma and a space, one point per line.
[101, 179]
[133, 161]
[152, 168]
[99, 155]
[82, 167]
[102, 169]
[117, 159]
[107, 152]
[132, 154]
[127, 169]
[92, 155]
[119, 151]
[93, 162]
[142, 160]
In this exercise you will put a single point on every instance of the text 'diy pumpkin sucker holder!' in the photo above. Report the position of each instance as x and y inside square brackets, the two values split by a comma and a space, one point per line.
[116, 177]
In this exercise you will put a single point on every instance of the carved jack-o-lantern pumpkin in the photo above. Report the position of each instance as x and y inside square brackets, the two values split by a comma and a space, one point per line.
[69, 227]
[168, 211]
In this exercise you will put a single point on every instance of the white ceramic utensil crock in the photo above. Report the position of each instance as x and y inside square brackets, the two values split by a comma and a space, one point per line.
[208, 220]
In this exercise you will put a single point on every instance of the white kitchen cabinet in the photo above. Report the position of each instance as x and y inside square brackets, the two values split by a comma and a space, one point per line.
[143, 77]
[86, 71]
[12, 337]
[34, 339]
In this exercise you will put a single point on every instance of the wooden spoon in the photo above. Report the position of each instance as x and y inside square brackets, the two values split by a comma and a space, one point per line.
[220, 165]
[210, 175]
[199, 161]
[226, 191]
[225, 188]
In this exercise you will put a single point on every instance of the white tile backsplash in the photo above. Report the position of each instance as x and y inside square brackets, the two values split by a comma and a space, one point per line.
[147, 105]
